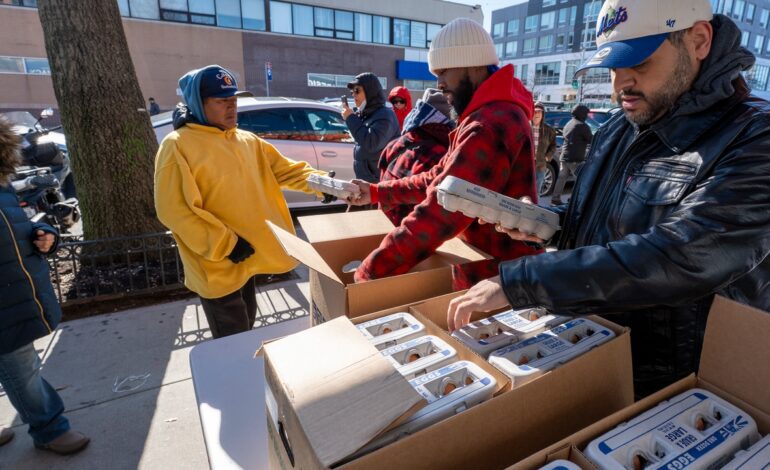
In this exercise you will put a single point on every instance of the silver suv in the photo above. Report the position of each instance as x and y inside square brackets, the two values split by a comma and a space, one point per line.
[300, 129]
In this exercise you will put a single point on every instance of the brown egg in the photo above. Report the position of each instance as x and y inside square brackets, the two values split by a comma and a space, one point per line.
[534, 316]
[386, 330]
[468, 380]
[449, 388]
[700, 423]
[412, 357]
[523, 360]
[639, 462]
[484, 336]
[575, 338]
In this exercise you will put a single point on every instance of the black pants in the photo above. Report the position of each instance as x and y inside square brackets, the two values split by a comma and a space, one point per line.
[233, 313]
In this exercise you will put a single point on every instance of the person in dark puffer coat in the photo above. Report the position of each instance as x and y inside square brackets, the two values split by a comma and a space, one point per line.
[424, 140]
[28, 311]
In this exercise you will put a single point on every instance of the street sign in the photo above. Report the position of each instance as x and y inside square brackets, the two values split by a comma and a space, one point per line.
[269, 70]
[575, 84]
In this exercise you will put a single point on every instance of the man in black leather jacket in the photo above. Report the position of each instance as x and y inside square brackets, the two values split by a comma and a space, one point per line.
[673, 203]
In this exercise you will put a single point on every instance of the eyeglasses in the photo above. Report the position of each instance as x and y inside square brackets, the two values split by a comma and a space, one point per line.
[356, 91]
[398, 102]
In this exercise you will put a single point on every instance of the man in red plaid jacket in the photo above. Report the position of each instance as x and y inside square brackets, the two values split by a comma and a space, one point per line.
[491, 147]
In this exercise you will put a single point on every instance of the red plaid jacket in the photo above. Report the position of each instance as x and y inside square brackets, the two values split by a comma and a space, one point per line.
[491, 147]
[412, 153]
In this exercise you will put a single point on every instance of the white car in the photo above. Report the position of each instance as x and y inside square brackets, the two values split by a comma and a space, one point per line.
[305, 130]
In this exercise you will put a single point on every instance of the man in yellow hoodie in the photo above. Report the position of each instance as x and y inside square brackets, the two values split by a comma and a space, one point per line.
[215, 188]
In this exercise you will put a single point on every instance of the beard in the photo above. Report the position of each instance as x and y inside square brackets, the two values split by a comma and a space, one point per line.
[663, 100]
[461, 96]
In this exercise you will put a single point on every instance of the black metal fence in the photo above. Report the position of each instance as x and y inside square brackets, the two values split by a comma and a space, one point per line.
[87, 270]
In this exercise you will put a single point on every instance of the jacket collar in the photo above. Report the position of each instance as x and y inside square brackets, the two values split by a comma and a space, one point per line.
[680, 132]
[501, 86]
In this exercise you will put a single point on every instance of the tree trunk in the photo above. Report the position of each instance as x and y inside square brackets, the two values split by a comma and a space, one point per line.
[109, 134]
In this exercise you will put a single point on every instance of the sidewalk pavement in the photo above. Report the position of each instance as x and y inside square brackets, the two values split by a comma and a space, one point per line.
[126, 383]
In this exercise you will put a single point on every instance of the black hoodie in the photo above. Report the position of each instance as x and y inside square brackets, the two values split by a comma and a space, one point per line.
[372, 128]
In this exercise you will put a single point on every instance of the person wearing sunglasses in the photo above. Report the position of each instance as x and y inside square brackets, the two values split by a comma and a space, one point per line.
[372, 125]
[401, 100]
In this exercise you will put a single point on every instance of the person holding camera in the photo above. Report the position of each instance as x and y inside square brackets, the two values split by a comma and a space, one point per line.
[372, 125]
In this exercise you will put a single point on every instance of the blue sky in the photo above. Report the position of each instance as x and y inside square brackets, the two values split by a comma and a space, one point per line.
[488, 6]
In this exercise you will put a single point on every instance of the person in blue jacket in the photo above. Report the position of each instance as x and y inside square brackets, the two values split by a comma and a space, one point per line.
[28, 311]
[373, 125]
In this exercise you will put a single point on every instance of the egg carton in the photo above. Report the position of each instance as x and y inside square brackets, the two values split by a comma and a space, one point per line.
[498, 331]
[420, 355]
[755, 457]
[455, 194]
[325, 184]
[390, 330]
[561, 465]
[693, 430]
[449, 390]
[530, 358]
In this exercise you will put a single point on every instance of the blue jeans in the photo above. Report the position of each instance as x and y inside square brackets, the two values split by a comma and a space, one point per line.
[35, 400]
[540, 178]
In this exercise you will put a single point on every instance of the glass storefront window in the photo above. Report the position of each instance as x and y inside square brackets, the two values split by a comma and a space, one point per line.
[145, 9]
[37, 66]
[11, 65]
[206, 7]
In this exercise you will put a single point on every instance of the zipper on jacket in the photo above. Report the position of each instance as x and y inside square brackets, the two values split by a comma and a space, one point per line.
[26, 273]
[619, 169]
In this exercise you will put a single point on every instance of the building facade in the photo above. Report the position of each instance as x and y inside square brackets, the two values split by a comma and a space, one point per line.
[546, 40]
[309, 49]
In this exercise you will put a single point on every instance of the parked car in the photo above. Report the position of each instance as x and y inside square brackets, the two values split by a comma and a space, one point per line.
[601, 116]
[557, 120]
[300, 129]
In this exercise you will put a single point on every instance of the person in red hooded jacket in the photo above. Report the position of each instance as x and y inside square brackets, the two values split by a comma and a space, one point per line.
[491, 147]
[401, 100]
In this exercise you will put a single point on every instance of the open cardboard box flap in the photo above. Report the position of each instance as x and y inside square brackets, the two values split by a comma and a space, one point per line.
[343, 391]
[331, 227]
[736, 351]
[303, 252]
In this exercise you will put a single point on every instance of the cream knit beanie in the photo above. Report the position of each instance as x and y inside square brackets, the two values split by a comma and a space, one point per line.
[461, 43]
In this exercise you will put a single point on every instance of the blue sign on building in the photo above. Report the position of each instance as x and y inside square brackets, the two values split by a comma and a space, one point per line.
[412, 70]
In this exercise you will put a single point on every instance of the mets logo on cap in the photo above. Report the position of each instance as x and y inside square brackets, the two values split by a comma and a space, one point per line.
[227, 80]
[611, 20]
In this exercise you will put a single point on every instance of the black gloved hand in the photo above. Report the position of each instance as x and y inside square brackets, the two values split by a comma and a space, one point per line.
[328, 198]
[241, 251]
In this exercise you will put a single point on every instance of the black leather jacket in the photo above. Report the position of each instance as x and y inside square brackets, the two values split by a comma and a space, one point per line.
[683, 214]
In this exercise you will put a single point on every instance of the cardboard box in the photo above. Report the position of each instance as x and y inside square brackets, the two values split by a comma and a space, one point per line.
[334, 240]
[531, 416]
[733, 365]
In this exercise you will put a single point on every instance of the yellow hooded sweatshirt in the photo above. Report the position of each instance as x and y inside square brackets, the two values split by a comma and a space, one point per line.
[212, 186]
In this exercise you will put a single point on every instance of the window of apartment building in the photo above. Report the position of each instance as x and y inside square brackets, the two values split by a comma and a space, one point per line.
[589, 38]
[513, 27]
[530, 24]
[144, 9]
[591, 11]
[727, 7]
[745, 39]
[280, 17]
[521, 72]
[381, 29]
[563, 16]
[511, 48]
[738, 9]
[324, 22]
[401, 32]
[750, 8]
[419, 34]
[547, 73]
[229, 13]
[547, 20]
[302, 20]
[433, 29]
[767, 47]
[529, 46]
[569, 69]
[597, 75]
[757, 77]
[252, 12]
[363, 23]
[759, 41]
[497, 30]
[572, 15]
[343, 24]
[499, 49]
[549, 3]
[546, 43]
[763, 17]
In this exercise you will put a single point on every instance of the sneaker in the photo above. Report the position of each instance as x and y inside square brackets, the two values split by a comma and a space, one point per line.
[68, 443]
[6, 434]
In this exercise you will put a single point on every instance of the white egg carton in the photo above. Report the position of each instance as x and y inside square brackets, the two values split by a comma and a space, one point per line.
[693, 430]
[530, 358]
[561, 465]
[449, 390]
[340, 188]
[498, 331]
[455, 194]
[754, 458]
[420, 355]
[390, 330]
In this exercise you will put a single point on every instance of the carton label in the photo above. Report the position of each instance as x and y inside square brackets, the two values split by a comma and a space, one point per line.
[708, 444]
